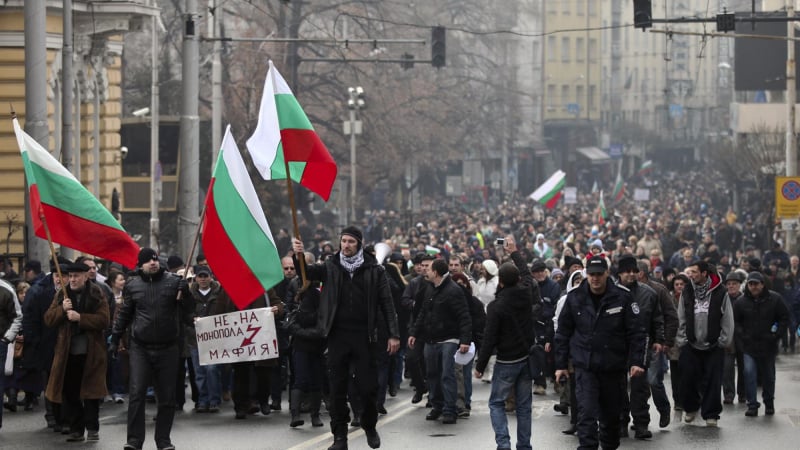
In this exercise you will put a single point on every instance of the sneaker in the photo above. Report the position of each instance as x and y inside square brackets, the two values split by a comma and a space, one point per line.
[689, 417]
[76, 437]
[213, 409]
[463, 414]
[751, 412]
[129, 446]
[712, 423]
[108, 399]
[119, 399]
[539, 390]
[449, 419]
[92, 435]
[167, 447]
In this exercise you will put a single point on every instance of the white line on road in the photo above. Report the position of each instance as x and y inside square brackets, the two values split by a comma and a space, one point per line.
[313, 443]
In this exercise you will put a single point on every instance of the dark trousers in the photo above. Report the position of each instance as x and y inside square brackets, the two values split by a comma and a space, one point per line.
[733, 376]
[636, 406]
[279, 376]
[701, 381]
[81, 414]
[599, 397]
[346, 350]
[308, 370]
[415, 365]
[244, 374]
[675, 381]
[184, 365]
[52, 411]
[156, 366]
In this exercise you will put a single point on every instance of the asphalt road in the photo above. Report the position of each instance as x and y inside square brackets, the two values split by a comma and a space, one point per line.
[405, 427]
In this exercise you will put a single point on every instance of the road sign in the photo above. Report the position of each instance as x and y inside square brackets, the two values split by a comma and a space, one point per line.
[787, 197]
[675, 111]
[615, 151]
[573, 108]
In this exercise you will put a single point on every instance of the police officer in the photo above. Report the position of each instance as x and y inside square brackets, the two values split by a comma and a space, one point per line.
[599, 328]
[652, 317]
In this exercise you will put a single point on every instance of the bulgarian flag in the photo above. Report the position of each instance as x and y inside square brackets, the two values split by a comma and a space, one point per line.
[619, 188]
[431, 250]
[75, 218]
[237, 240]
[646, 168]
[549, 193]
[602, 214]
[284, 131]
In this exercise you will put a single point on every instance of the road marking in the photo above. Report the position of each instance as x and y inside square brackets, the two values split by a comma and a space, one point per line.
[313, 443]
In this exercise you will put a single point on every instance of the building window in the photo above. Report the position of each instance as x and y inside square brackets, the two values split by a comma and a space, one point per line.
[592, 93]
[579, 96]
[580, 7]
[593, 7]
[564, 95]
[565, 56]
[593, 50]
[565, 6]
[551, 48]
[551, 95]
[580, 49]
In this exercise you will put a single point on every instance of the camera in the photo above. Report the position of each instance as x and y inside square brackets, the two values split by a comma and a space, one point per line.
[123, 151]
[500, 241]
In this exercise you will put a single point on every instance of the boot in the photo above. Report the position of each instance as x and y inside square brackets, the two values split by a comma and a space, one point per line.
[295, 397]
[339, 436]
[11, 405]
[315, 400]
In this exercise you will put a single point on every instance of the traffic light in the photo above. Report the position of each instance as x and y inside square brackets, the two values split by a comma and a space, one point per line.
[726, 22]
[642, 14]
[438, 46]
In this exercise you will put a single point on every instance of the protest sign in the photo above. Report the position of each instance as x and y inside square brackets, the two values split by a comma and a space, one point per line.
[240, 336]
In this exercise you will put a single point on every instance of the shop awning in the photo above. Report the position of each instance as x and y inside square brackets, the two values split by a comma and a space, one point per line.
[595, 155]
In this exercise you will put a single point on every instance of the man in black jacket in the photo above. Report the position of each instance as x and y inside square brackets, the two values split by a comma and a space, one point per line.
[599, 328]
[510, 331]
[446, 325]
[156, 306]
[650, 313]
[761, 317]
[355, 290]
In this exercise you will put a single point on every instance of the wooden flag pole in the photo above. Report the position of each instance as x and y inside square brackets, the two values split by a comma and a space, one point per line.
[53, 253]
[194, 244]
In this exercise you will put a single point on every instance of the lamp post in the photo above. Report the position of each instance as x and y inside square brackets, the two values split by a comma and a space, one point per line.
[353, 127]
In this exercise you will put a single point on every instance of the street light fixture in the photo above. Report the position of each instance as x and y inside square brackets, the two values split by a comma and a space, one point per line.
[355, 103]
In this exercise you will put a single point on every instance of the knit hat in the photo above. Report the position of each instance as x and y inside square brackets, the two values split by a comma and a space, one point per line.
[509, 274]
[556, 272]
[570, 261]
[146, 255]
[491, 267]
[627, 263]
[174, 261]
[355, 233]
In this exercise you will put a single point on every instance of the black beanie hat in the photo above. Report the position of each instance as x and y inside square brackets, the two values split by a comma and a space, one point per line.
[355, 233]
[146, 255]
[508, 274]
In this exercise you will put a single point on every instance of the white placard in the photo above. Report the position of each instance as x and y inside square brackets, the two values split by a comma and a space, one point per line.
[247, 335]
[570, 195]
[641, 195]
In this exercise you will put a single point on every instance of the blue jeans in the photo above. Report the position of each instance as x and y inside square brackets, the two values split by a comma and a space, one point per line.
[655, 376]
[442, 376]
[209, 382]
[506, 377]
[765, 366]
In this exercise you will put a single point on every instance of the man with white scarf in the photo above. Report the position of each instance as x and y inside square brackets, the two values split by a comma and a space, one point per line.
[355, 290]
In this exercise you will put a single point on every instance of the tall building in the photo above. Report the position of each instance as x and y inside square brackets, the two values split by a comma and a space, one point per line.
[98, 28]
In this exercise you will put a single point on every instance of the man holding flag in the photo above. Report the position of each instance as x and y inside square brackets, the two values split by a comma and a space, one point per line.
[356, 291]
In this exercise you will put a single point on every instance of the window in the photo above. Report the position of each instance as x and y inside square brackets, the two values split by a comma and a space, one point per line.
[564, 95]
[593, 49]
[580, 50]
[565, 6]
[565, 56]
[592, 93]
[579, 95]
[551, 95]
[580, 6]
[593, 7]
[551, 48]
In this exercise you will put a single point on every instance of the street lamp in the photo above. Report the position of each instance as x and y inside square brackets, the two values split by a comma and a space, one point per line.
[353, 127]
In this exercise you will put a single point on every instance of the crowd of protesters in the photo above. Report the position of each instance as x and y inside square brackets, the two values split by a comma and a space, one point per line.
[684, 235]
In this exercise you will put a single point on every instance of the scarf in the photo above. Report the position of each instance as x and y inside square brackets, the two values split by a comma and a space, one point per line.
[702, 299]
[352, 263]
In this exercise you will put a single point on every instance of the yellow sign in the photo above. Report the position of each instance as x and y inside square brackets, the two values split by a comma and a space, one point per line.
[787, 197]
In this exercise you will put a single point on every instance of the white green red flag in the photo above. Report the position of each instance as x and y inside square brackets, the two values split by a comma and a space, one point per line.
[548, 193]
[75, 218]
[602, 214]
[619, 188]
[285, 133]
[237, 240]
[646, 168]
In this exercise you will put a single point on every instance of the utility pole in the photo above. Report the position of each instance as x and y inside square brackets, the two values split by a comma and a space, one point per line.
[216, 81]
[188, 182]
[67, 82]
[155, 165]
[791, 98]
[35, 107]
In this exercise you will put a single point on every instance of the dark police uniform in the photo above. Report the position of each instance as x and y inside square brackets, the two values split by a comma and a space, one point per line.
[602, 341]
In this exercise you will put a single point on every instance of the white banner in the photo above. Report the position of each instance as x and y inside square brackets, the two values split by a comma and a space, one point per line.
[570, 195]
[641, 195]
[247, 335]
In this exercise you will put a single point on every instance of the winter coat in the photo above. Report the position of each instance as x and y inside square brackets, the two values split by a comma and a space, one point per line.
[445, 315]
[93, 321]
[754, 318]
[40, 340]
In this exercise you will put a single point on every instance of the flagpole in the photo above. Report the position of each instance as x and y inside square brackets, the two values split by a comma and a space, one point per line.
[301, 259]
[53, 253]
[194, 244]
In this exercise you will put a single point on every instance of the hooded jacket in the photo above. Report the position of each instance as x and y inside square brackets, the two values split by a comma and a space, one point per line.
[509, 319]
[705, 328]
